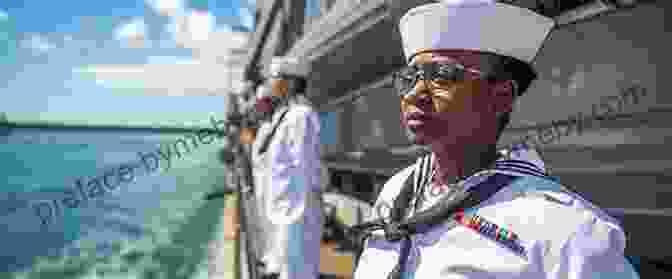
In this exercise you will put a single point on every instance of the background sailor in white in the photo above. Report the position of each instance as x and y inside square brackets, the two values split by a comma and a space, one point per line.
[468, 61]
[294, 202]
[260, 170]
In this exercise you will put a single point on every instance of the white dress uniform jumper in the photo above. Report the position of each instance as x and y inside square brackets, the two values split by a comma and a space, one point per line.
[260, 170]
[529, 227]
[293, 199]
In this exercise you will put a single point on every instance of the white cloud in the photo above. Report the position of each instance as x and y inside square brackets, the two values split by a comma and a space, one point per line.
[198, 31]
[185, 78]
[196, 28]
[169, 60]
[224, 28]
[4, 15]
[230, 40]
[221, 44]
[247, 17]
[136, 27]
[132, 33]
[37, 43]
[170, 34]
[169, 8]
[171, 27]
[190, 29]
[252, 3]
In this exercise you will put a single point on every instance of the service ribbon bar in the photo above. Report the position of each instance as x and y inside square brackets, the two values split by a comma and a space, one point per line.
[492, 231]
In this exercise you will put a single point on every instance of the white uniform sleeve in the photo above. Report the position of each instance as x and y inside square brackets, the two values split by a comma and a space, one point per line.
[292, 163]
[595, 251]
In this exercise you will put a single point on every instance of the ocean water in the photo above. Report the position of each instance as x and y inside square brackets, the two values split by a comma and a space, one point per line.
[135, 213]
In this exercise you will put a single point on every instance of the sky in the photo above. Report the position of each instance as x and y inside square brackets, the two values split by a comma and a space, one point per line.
[53, 55]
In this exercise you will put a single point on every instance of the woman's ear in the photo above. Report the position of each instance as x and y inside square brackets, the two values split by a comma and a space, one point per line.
[503, 96]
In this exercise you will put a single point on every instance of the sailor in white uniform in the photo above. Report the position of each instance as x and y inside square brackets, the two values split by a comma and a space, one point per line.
[467, 210]
[264, 228]
[287, 153]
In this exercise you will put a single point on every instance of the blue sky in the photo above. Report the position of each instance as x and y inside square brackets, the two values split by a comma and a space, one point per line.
[41, 42]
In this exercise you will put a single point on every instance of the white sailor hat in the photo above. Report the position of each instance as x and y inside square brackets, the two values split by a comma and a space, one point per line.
[292, 66]
[246, 89]
[478, 25]
[263, 91]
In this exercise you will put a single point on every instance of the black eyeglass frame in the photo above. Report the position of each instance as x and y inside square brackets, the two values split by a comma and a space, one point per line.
[287, 77]
[405, 79]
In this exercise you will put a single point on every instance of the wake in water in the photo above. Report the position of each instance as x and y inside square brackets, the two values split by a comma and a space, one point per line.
[156, 224]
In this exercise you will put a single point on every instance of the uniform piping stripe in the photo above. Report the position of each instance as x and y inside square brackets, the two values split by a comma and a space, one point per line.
[518, 166]
[531, 165]
[521, 172]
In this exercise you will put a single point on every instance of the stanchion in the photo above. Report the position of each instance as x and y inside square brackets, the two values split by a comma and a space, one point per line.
[237, 158]
[246, 188]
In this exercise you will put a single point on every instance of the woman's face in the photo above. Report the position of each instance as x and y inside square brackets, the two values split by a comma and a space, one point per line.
[264, 104]
[279, 87]
[247, 135]
[265, 99]
[449, 111]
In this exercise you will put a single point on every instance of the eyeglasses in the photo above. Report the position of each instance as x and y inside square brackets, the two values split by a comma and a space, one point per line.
[285, 76]
[434, 73]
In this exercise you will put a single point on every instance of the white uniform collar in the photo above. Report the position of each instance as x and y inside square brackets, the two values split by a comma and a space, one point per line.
[520, 161]
[515, 161]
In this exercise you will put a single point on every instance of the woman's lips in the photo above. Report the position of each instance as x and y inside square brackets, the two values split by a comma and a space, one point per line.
[414, 123]
[417, 116]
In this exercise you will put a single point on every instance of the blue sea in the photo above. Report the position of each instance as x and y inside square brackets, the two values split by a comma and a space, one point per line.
[38, 166]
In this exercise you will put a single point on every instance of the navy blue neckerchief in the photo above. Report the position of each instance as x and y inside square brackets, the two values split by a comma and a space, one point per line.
[401, 230]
